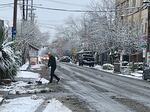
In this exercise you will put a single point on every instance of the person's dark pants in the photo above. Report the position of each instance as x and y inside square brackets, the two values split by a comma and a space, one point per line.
[53, 75]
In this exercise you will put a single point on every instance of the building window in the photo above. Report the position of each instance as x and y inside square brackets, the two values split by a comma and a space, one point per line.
[134, 3]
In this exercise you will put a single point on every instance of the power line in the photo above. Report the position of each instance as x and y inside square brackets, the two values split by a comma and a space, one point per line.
[6, 4]
[69, 10]
[47, 24]
[2, 7]
[77, 10]
[50, 27]
[65, 3]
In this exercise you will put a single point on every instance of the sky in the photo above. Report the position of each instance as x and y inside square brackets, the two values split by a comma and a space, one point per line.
[47, 20]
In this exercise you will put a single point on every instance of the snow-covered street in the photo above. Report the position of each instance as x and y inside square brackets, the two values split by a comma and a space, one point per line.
[106, 92]
[75, 56]
[81, 89]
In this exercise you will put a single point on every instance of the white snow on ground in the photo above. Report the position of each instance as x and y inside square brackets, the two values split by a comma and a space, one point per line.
[30, 104]
[24, 67]
[20, 87]
[56, 106]
[37, 66]
[34, 76]
[24, 104]
[98, 67]
[1, 99]
[130, 76]
[135, 75]
[43, 80]
[14, 86]
[26, 74]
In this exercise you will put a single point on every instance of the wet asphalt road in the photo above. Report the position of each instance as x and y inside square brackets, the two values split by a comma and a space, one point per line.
[105, 92]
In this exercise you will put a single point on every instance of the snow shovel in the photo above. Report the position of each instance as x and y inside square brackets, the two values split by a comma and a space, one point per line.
[39, 82]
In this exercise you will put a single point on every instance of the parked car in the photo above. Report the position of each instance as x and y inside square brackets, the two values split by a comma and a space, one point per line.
[86, 59]
[146, 73]
[65, 59]
[139, 66]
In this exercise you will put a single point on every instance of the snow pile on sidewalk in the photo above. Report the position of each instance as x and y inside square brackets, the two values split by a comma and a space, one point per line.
[98, 67]
[24, 67]
[1, 99]
[37, 66]
[135, 75]
[24, 104]
[27, 84]
[30, 104]
[30, 75]
[25, 74]
[21, 87]
[56, 106]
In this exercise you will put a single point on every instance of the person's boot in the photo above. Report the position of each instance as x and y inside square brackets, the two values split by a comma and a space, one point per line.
[58, 80]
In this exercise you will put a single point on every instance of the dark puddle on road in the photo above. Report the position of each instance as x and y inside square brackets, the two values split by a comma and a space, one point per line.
[99, 89]
[134, 105]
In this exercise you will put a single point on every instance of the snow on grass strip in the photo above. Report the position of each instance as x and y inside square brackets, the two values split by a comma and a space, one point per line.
[24, 104]
[1, 99]
[25, 74]
[56, 106]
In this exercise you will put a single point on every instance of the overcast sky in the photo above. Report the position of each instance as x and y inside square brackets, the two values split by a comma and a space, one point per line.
[47, 18]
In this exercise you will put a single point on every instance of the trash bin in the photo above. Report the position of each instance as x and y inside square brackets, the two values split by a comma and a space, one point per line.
[117, 67]
[146, 73]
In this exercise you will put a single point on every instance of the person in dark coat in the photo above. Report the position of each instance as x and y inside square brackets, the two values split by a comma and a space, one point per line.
[52, 64]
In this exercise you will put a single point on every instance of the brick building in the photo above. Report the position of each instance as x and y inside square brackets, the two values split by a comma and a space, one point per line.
[135, 12]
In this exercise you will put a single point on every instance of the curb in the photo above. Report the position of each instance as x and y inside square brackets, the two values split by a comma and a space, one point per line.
[1, 100]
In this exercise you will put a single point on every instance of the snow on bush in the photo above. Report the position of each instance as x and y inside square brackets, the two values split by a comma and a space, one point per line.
[108, 66]
[8, 65]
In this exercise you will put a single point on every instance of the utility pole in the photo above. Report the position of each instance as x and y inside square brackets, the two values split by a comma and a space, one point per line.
[148, 35]
[32, 16]
[23, 9]
[147, 3]
[27, 3]
[14, 20]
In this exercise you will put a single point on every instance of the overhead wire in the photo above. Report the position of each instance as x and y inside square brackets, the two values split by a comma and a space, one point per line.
[6, 4]
[78, 10]
[70, 10]
[65, 3]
